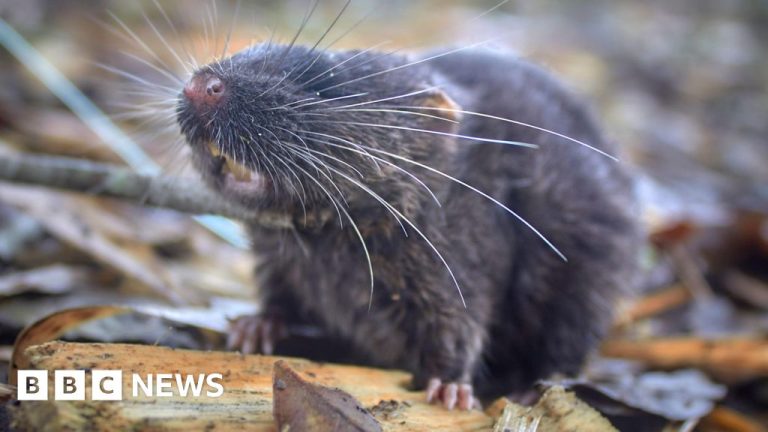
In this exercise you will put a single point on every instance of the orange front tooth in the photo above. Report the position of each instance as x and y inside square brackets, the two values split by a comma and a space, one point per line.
[213, 149]
[240, 172]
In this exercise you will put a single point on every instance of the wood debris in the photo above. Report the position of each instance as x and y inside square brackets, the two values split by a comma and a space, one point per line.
[246, 403]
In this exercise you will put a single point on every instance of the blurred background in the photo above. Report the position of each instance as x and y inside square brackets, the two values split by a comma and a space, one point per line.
[681, 85]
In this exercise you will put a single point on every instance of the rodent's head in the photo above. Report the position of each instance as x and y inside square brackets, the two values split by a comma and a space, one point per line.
[291, 129]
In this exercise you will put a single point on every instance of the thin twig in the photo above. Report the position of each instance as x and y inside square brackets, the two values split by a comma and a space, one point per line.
[97, 121]
[188, 195]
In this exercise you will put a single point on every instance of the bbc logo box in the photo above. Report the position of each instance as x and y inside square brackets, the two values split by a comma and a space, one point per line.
[70, 385]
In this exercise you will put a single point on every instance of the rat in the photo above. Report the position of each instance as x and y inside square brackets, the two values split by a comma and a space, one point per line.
[457, 214]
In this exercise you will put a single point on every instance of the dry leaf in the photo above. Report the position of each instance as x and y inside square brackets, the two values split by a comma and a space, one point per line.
[54, 279]
[51, 327]
[676, 396]
[302, 406]
[62, 217]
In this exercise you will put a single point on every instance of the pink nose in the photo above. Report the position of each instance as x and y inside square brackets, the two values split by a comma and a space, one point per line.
[204, 89]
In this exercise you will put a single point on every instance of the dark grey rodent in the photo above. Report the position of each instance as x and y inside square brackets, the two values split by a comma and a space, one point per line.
[298, 118]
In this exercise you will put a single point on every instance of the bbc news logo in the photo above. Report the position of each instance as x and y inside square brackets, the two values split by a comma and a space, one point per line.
[107, 385]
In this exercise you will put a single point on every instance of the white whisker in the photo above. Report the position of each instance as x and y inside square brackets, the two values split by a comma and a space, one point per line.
[427, 131]
[399, 168]
[354, 56]
[476, 190]
[413, 93]
[412, 225]
[357, 233]
[371, 75]
[516, 122]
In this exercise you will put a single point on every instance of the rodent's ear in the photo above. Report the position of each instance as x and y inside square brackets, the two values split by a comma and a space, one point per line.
[441, 105]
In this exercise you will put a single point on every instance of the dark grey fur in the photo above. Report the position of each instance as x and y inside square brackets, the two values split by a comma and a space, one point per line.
[528, 313]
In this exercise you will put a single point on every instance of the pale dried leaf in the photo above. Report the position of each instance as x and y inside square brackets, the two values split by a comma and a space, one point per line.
[54, 279]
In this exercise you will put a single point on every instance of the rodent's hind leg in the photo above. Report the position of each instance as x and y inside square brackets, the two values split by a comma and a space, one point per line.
[452, 394]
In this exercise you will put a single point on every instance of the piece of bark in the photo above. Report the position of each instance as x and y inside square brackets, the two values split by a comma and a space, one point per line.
[300, 405]
[245, 405]
[496, 408]
[557, 410]
[732, 359]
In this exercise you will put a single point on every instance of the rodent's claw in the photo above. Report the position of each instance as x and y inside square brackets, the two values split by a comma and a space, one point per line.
[451, 394]
[253, 334]
[266, 337]
[235, 334]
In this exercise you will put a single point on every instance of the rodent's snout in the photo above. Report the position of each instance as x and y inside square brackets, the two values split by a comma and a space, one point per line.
[204, 89]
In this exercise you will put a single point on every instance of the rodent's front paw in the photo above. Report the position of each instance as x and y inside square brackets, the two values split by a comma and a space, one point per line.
[451, 394]
[252, 334]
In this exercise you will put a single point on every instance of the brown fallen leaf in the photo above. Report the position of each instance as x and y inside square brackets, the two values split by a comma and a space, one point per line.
[673, 233]
[303, 406]
[51, 327]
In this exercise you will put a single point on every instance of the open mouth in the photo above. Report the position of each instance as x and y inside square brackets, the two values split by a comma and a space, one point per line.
[235, 176]
[239, 172]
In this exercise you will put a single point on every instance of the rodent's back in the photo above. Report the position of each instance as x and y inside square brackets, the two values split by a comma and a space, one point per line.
[580, 199]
